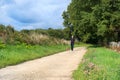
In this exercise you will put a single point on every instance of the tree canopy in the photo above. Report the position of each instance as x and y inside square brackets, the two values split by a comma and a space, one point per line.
[94, 21]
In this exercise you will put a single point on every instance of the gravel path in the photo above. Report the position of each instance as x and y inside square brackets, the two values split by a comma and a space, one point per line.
[55, 67]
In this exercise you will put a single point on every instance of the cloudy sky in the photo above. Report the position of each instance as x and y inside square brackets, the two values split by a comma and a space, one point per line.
[30, 14]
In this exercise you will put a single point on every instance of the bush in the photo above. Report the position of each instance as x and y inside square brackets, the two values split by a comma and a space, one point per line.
[2, 45]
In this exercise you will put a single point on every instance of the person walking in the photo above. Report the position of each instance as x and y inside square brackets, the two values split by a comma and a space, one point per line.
[72, 42]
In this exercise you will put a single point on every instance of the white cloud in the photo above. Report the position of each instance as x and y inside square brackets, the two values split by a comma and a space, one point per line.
[32, 13]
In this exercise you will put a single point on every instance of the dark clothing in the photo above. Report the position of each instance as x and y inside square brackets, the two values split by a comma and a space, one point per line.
[72, 46]
[72, 43]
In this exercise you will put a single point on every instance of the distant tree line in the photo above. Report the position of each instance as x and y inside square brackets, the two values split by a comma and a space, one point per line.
[8, 35]
[94, 21]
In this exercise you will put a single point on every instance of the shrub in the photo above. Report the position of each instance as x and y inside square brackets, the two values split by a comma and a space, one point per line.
[2, 45]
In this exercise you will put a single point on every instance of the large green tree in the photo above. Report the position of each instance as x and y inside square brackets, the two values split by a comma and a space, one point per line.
[94, 20]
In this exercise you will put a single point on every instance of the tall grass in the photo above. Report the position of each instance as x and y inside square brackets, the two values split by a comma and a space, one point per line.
[99, 64]
[35, 38]
[14, 54]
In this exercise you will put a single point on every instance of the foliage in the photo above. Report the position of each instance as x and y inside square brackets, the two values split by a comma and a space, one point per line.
[38, 36]
[2, 45]
[57, 33]
[94, 21]
[99, 64]
[20, 46]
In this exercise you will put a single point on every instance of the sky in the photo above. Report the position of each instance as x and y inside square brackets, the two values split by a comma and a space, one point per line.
[32, 14]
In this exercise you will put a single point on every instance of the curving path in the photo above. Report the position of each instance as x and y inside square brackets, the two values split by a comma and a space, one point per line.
[55, 67]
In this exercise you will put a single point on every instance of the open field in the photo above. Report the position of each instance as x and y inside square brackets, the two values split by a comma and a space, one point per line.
[99, 64]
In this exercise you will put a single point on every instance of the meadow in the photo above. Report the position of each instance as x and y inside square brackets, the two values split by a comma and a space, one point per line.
[15, 54]
[99, 63]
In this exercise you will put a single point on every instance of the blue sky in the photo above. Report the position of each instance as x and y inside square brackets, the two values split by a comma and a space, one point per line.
[31, 14]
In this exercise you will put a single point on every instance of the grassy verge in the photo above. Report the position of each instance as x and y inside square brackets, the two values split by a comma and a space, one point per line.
[81, 44]
[11, 54]
[99, 64]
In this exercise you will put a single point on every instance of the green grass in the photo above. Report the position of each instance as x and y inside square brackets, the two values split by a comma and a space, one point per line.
[81, 44]
[11, 54]
[99, 64]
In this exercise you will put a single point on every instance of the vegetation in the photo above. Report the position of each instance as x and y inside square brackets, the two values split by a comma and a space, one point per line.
[20, 46]
[14, 54]
[8, 35]
[99, 64]
[90, 21]
[94, 21]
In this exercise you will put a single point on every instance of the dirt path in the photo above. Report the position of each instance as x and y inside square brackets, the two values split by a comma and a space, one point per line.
[55, 67]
